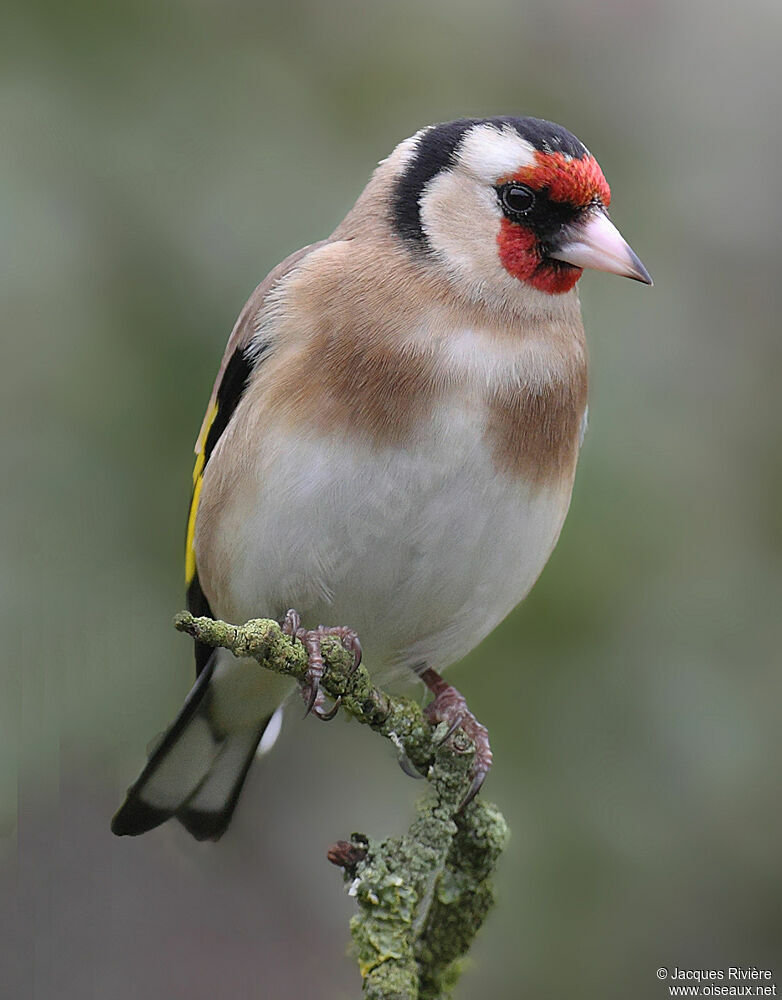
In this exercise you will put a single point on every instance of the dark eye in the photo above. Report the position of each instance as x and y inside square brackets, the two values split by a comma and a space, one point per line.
[517, 198]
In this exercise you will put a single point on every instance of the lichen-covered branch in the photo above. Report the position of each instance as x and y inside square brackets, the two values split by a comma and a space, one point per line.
[423, 896]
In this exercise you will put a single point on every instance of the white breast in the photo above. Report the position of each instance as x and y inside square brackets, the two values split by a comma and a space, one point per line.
[423, 550]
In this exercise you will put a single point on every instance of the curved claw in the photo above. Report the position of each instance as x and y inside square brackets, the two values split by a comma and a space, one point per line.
[313, 695]
[450, 731]
[328, 716]
[473, 790]
[408, 767]
[357, 654]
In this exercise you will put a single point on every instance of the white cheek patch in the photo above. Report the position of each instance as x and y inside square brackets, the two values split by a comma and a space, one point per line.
[461, 220]
[461, 217]
[489, 153]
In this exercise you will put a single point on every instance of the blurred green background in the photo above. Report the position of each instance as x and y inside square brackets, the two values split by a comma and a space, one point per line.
[157, 159]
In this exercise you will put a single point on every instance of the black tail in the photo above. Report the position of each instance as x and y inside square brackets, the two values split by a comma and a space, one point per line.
[194, 774]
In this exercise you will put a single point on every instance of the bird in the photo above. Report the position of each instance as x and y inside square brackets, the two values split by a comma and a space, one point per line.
[391, 440]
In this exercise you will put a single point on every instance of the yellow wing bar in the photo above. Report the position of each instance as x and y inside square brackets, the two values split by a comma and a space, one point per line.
[198, 479]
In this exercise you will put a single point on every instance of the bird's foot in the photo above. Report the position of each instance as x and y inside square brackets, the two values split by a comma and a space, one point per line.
[449, 706]
[311, 639]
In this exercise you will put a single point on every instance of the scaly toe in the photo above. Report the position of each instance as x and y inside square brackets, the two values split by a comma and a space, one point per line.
[449, 706]
[291, 623]
[311, 640]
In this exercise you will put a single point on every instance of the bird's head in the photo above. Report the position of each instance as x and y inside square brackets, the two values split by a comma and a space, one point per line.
[498, 201]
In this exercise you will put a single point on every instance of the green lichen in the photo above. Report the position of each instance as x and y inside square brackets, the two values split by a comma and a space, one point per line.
[423, 896]
[464, 896]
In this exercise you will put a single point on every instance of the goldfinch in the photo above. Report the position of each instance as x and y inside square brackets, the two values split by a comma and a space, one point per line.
[391, 440]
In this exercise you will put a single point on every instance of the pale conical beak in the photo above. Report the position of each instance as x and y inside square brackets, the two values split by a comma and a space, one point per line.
[597, 243]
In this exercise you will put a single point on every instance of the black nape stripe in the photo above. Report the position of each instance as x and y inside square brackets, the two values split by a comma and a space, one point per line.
[436, 151]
